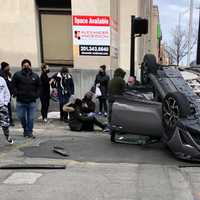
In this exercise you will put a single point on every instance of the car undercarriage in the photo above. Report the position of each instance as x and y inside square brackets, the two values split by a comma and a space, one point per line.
[168, 111]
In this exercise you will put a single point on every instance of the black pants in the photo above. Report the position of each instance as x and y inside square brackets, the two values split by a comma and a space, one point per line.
[89, 122]
[44, 106]
[110, 110]
[103, 105]
[98, 123]
[63, 100]
[10, 113]
[63, 115]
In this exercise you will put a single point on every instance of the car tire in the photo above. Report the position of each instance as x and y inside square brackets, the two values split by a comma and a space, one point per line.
[174, 107]
[112, 136]
[149, 65]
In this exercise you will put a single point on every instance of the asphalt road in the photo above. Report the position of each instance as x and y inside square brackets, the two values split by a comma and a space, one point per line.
[95, 169]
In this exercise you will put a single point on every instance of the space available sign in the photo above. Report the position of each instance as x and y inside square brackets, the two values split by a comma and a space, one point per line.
[92, 35]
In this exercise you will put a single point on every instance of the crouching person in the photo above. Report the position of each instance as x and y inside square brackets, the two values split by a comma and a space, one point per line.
[80, 121]
[4, 114]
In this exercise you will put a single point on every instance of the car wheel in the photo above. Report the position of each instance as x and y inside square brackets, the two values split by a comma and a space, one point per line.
[174, 106]
[149, 65]
[113, 136]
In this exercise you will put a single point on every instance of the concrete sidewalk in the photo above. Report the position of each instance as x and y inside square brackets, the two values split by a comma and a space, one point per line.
[96, 169]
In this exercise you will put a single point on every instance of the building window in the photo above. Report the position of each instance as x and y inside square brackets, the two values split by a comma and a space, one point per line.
[56, 32]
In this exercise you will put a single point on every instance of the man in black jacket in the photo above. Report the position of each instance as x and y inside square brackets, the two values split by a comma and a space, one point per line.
[26, 88]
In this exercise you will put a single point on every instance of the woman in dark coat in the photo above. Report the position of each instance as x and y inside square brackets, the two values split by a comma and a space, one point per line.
[102, 81]
[65, 85]
[117, 87]
[45, 91]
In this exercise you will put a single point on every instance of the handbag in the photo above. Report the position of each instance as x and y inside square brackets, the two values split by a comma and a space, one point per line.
[98, 92]
[54, 94]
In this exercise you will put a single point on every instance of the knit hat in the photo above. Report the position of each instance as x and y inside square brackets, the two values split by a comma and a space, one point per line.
[4, 65]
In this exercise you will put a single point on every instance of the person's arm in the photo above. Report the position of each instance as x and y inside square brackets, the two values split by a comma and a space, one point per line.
[90, 107]
[38, 86]
[123, 87]
[96, 81]
[68, 108]
[72, 86]
[6, 94]
[14, 85]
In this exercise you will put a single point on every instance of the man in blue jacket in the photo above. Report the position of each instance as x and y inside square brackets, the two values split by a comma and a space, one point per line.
[26, 88]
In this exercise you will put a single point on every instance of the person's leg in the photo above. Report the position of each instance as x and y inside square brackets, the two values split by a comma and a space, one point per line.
[105, 106]
[46, 107]
[10, 114]
[61, 100]
[65, 114]
[61, 112]
[21, 111]
[7, 135]
[98, 123]
[5, 123]
[31, 112]
[42, 107]
[110, 111]
[100, 105]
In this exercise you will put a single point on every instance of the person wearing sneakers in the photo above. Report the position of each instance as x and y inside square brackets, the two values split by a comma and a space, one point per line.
[44, 92]
[26, 89]
[102, 81]
[4, 114]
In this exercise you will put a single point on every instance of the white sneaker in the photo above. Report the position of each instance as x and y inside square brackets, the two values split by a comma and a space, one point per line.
[10, 140]
[45, 120]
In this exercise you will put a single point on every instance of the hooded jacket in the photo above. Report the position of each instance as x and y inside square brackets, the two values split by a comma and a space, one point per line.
[117, 85]
[65, 84]
[4, 93]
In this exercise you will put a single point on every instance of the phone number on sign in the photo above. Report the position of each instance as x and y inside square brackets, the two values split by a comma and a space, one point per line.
[94, 49]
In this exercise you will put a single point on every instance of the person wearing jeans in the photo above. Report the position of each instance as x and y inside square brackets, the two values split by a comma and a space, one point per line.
[26, 87]
[26, 114]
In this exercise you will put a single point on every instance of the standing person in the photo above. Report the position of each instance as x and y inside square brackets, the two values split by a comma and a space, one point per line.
[101, 81]
[65, 86]
[6, 74]
[44, 91]
[116, 87]
[26, 87]
[4, 115]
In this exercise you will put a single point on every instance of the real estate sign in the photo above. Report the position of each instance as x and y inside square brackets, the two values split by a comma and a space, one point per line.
[91, 34]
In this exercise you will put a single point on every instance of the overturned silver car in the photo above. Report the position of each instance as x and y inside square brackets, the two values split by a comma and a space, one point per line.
[171, 115]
